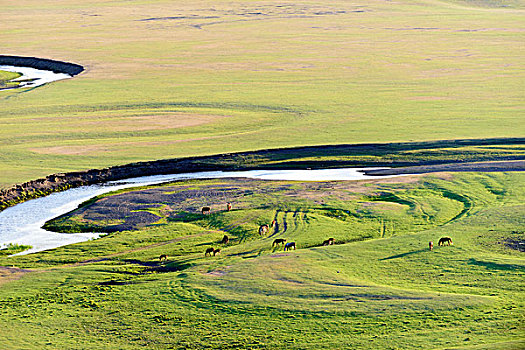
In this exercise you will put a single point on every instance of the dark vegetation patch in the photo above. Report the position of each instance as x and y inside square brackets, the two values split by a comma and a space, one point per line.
[517, 241]
[42, 63]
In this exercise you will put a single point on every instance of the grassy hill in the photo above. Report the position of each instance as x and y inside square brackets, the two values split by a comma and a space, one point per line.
[379, 286]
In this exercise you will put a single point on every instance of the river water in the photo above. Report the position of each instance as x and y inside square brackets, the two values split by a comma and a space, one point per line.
[35, 77]
[23, 222]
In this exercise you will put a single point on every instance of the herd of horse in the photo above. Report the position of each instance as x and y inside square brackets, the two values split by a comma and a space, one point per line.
[281, 242]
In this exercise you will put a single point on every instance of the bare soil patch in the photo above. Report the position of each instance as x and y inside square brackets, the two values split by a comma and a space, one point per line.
[183, 201]
[11, 273]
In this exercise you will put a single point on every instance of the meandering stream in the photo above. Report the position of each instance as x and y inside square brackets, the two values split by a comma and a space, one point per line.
[32, 77]
[23, 222]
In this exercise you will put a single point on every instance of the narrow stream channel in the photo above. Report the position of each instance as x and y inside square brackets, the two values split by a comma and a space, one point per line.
[23, 222]
[32, 77]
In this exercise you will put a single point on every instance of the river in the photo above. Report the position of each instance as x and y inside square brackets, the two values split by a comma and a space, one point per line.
[32, 77]
[23, 222]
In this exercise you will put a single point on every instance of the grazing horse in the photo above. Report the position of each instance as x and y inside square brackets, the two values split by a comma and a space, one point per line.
[216, 251]
[430, 245]
[209, 251]
[263, 229]
[205, 210]
[225, 239]
[289, 246]
[278, 241]
[163, 257]
[228, 206]
[444, 240]
[329, 241]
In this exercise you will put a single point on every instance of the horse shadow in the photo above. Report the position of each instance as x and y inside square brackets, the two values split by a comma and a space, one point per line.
[402, 255]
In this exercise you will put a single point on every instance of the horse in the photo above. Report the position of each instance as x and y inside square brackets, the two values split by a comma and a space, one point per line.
[274, 222]
[225, 239]
[209, 251]
[263, 229]
[444, 240]
[430, 245]
[329, 241]
[278, 241]
[289, 246]
[216, 251]
[163, 257]
[205, 210]
[228, 206]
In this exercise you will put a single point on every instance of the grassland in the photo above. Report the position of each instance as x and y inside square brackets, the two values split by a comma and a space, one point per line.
[5, 79]
[169, 79]
[379, 287]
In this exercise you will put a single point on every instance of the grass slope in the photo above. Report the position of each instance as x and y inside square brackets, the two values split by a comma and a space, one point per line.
[382, 288]
[5, 79]
[175, 78]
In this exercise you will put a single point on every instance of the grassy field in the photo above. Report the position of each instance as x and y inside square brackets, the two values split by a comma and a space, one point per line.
[5, 79]
[167, 79]
[378, 287]
[171, 78]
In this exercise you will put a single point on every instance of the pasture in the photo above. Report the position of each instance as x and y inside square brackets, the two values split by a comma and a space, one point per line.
[170, 79]
[379, 286]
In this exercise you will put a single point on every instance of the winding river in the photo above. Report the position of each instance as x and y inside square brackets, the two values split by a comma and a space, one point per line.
[23, 222]
[32, 77]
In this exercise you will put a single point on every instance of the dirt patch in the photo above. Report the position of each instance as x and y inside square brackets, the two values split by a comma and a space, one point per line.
[279, 255]
[71, 150]
[516, 244]
[218, 272]
[156, 122]
[11, 273]
[428, 98]
[134, 123]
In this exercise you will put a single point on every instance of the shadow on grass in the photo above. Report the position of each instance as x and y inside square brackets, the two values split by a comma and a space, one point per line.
[402, 255]
[496, 266]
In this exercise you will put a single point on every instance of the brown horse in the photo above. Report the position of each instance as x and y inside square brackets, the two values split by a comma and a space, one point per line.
[289, 246]
[329, 241]
[278, 241]
[209, 251]
[163, 257]
[444, 240]
[228, 206]
[205, 210]
[225, 239]
[263, 229]
[430, 245]
[216, 251]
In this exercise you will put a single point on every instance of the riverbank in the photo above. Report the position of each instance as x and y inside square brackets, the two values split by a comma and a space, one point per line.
[396, 155]
[42, 64]
[480, 166]
[25, 223]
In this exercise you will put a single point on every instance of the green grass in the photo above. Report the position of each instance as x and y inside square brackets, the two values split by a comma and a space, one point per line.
[13, 249]
[171, 79]
[5, 79]
[378, 287]
[301, 73]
